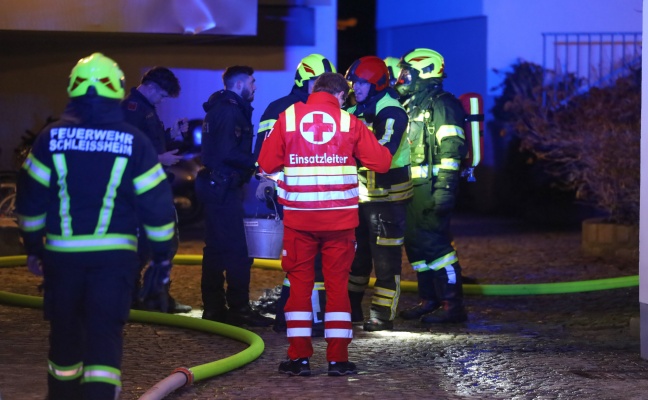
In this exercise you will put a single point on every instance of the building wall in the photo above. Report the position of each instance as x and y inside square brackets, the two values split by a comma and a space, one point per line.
[481, 40]
[643, 208]
[34, 69]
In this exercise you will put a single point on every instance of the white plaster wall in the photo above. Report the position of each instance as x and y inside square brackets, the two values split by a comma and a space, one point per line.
[643, 211]
[390, 13]
[198, 85]
[515, 27]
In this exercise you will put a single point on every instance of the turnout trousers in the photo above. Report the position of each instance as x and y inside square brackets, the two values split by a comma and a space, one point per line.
[87, 300]
[337, 249]
[380, 237]
[428, 243]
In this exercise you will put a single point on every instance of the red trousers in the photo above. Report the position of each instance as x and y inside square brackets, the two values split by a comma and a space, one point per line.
[338, 250]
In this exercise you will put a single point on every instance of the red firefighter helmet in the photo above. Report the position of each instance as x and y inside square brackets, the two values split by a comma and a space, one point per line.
[369, 69]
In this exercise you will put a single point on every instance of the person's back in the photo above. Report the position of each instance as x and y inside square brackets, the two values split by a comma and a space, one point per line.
[91, 164]
[87, 182]
[307, 71]
[316, 145]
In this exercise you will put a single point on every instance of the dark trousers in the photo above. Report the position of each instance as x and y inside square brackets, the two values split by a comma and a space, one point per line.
[428, 240]
[225, 255]
[87, 299]
[145, 255]
[379, 236]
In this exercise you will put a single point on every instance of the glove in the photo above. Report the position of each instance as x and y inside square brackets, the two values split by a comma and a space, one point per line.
[265, 189]
[154, 295]
[443, 194]
[443, 200]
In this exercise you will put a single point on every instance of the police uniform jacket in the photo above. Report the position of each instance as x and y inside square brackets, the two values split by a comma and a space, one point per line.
[316, 145]
[271, 113]
[227, 137]
[87, 181]
[139, 112]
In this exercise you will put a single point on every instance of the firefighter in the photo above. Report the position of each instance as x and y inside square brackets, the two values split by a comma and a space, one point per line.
[393, 68]
[316, 146]
[438, 146]
[308, 69]
[88, 181]
[382, 196]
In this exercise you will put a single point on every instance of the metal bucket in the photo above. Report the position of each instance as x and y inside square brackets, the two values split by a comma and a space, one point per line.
[264, 237]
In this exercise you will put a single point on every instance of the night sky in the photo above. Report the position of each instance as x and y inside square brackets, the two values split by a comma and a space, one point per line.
[359, 40]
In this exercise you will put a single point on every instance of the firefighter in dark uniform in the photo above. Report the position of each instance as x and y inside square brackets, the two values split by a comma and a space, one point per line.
[436, 135]
[393, 67]
[309, 68]
[157, 84]
[89, 180]
[229, 163]
[383, 197]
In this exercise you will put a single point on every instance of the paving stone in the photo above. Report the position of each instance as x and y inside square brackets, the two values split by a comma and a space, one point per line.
[570, 346]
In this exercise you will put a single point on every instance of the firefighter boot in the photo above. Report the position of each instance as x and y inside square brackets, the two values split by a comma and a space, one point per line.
[419, 310]
[357, 316]
[427, 294]
[280, 319]
[377, 324]
[448, 284]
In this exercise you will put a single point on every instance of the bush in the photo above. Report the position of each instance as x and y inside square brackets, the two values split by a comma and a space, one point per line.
[589, 143]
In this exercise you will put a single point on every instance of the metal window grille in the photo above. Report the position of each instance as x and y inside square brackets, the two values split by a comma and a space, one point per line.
[587, 59]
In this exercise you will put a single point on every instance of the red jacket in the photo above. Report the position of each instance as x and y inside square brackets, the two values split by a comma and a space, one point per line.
[316, 145]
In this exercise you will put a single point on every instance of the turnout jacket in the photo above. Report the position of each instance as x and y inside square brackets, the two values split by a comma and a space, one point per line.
[227, 137]
[88, 180]
[316, 145]
[436, 134]
[271, 113]
[387, 119]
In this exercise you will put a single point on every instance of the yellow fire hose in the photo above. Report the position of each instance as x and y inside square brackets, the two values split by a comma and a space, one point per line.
[186, 376]
[488, 290]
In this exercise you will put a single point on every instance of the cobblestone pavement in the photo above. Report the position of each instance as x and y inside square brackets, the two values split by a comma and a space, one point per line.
[567, 346]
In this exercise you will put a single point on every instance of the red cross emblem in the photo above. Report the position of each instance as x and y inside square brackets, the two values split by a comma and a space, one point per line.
[317, 128]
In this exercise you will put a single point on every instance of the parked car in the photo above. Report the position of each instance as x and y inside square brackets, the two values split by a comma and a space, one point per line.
[184, 175]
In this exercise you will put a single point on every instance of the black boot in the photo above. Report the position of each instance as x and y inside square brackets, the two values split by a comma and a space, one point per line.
[279, 324]
[377, 324]
[419, 310]
[215, 315]
[357, 316]
[247, 316]
[448, 313]
[174, 307]
[451, 309]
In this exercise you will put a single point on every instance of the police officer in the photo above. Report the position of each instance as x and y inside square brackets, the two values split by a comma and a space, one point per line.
[437, 147]
[229, 163]
[383, 196]
[156, 84]
[308, 69]
[88, 181]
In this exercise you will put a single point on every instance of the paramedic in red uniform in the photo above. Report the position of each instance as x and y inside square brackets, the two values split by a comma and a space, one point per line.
[314, 147]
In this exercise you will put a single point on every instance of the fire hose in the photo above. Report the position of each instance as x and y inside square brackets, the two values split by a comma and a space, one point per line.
[186, 376]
